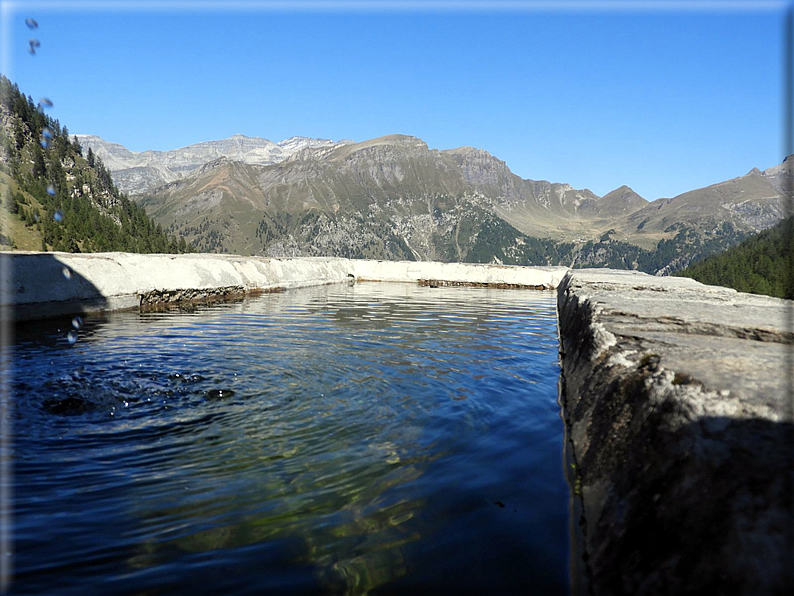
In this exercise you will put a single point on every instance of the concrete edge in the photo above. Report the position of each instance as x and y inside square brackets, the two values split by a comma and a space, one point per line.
[681, 480]
[44, 285]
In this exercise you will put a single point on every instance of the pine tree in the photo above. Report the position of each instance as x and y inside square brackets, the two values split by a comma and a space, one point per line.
[39, 167]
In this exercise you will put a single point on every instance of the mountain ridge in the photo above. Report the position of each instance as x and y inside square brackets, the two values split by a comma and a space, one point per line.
[139, 171]
[394, 197]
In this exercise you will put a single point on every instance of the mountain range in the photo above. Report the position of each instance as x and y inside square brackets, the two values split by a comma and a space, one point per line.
[395, 198]
[140, 171]
[387, 198]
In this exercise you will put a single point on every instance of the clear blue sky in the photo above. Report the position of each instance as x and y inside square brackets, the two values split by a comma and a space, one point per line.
[661, 100]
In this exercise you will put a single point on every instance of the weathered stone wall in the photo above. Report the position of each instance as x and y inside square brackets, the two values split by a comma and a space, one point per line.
[472, 274]
[679, 416]
[38, 285]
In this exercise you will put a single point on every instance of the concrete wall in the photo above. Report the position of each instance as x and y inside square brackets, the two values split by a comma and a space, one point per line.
[47, 284]
[493, 275]
[678, 406]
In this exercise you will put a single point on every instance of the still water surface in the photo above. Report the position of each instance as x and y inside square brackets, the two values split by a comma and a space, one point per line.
[377, 438]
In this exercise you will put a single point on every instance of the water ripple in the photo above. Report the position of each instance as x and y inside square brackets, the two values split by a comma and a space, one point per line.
[332, 440]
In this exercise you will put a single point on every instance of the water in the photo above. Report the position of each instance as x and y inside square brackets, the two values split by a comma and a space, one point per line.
[377, 438]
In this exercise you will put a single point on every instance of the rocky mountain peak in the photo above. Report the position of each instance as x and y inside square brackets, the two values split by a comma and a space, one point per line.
[624, 192]
[138, 172]
[467, 150]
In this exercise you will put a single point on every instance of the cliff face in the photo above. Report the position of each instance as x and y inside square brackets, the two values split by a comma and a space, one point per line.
[680, 426]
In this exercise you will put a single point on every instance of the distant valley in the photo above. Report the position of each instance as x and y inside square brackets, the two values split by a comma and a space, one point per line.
[395, 198]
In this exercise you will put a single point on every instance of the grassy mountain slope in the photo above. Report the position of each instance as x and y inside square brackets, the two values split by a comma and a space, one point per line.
[390, 197]
[56, 198]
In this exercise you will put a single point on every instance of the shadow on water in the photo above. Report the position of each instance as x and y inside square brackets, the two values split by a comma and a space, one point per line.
[25, 281]
[45, 299]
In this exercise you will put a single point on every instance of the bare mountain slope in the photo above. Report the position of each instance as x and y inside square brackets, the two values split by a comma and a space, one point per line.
[749, 204]
[138, 172]
[422, 203]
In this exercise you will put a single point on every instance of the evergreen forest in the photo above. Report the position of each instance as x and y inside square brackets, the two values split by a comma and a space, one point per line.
[56, 197]
[762, 264]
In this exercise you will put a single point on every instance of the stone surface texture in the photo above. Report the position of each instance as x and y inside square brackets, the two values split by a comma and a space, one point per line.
[678, 410]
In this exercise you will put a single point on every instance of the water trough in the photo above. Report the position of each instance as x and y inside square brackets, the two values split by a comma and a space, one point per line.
[675, 397]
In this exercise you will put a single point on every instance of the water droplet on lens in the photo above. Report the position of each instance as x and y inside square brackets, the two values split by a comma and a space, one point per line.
[46, 133]
[44, 143]
[31, 23]
[72, 337]
[67, 273]
[77, 322]
[51, 192]
[45, 102]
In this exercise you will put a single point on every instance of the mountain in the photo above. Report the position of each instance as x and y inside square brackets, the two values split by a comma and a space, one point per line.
[393, 197]
[137, 172]
[56, 197]
[749, 203]
[781, 177]
[390, 197]
[762, 264]
[621, 202]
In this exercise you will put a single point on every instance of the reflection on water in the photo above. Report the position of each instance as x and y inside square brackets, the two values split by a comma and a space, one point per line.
[375, 438]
